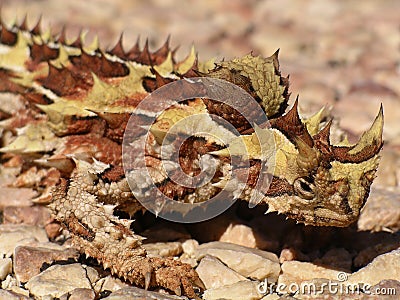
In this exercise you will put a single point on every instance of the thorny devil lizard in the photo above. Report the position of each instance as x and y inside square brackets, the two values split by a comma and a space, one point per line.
[64, 109]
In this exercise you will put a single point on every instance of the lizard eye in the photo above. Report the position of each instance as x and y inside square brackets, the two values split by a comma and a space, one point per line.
[304, 189]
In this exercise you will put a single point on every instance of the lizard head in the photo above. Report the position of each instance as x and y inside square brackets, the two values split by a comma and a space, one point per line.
[320, 183]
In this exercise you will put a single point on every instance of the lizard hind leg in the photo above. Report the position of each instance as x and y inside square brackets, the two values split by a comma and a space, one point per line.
[96, 232]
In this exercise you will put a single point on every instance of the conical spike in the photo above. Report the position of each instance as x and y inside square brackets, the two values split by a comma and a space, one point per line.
[292, 126]
[367, 147]
[372, 137]
[13, 23]
[109, 209]
[78, 41]
[304, 149]
[135, 50]
[8, 37]
[106, 66]
[24, 24]
[37, 29]
[98, 84]
[42, 52]
[147, 279]
[62, 37]
[308, 158]
[162, 53]
[324, 135]
[86, 59]
[270, 210]
[220, 184]
[145, 57]
[185, 65]
[113, 120]
[173, 52]
[110, 68]
[275, 59]
[193, 71]
[60, 80]
[118, 49]
[166, 66]
[94, 46]
[178, 291]
[293, 114]
[313, 122]
[160, 80]
[82, 37]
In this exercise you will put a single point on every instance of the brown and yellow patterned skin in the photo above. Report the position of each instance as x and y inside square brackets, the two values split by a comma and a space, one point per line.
[64, 108]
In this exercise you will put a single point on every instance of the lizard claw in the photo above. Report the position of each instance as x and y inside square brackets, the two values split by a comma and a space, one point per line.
[147, 279]
[176, 276]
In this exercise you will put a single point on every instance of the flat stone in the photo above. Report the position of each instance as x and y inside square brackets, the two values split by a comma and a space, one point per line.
[134, 293]
[288, 254]
[189, 246]
[296, 272]
[12, 235]
[31, 215]
[382, 211]
[61, 279]
[388, 171]
[244, 235]
[79, 294]
[5, 267]
[10, 196]
[109, 283]
[8, 282]
[189, 249]
[9, 295]
[12, 285]
[210, 270]
[383, 267]
[271, 297]
[242, 290]
[251, 263]
[163, 249]
[29, 259]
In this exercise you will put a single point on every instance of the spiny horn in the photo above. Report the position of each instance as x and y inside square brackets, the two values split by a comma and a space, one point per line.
[118, 49]
[368, 145]
[322, 140]
[37, 29]
[308, 158]
[291, 125]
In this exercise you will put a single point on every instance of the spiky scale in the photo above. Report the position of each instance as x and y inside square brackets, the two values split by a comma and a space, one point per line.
[86, 96]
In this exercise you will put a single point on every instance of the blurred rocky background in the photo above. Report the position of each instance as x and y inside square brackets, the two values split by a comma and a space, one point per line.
[342, 54]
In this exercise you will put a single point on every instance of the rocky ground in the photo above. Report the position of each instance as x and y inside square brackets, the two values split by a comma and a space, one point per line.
[344, 54]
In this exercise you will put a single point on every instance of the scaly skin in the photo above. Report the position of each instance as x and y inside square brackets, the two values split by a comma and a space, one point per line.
[64, 110]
